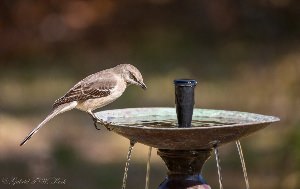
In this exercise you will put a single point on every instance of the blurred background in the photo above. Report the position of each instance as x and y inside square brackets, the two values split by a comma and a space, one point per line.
[244, 54]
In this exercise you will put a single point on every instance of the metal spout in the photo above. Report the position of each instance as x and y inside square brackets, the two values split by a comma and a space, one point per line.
[184, 100]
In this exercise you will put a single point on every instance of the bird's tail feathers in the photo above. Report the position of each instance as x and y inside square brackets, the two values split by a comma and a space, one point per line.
[58, 110]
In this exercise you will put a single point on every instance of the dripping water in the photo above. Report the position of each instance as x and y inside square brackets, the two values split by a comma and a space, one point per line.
[239, 147]
[148, 168]
[127, 164]
[218, 166]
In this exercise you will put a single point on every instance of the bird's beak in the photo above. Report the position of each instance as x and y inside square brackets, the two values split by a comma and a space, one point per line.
[142, 85]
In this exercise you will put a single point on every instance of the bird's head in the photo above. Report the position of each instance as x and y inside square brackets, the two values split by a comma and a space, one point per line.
[132, 75]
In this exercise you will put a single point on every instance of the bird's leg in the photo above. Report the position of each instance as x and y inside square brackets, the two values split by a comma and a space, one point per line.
[100, 121]
[95, 120]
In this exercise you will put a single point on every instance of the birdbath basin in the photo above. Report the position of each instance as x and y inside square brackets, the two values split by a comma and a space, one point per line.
[156, 127]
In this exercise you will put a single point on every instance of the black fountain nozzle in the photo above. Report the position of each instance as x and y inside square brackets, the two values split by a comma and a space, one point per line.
[184, 100]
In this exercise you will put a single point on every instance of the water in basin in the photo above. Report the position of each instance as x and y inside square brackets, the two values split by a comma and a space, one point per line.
[169, 122]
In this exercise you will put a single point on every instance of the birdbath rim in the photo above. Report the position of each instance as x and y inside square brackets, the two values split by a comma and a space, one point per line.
[142, 112]
[192, 138]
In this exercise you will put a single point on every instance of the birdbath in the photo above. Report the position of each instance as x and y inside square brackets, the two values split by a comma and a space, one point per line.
[184, 136]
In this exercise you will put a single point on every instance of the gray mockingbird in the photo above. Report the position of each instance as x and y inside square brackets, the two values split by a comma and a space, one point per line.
[94, 91]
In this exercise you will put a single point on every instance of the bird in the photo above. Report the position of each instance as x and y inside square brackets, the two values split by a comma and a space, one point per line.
[93, 92]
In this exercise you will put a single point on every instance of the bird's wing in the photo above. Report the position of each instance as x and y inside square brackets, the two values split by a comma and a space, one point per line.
[94, 86]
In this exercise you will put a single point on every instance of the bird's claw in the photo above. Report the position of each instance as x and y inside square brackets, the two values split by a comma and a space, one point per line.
[108, 128]
[95, 124]
[104, 123]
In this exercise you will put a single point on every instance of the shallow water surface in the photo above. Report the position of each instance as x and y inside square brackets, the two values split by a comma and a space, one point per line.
[169, 122]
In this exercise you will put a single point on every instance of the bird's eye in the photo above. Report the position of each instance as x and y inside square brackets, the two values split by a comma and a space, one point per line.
[132, 77]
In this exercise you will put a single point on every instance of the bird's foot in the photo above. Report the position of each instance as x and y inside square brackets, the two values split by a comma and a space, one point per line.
[108, 127]
[101, 122]
[96, 121]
